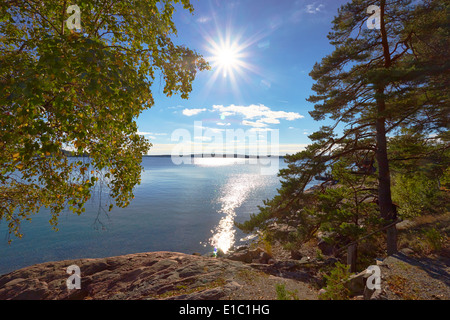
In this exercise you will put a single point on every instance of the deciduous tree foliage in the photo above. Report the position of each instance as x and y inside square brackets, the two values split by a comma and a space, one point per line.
[81, 90]
[374, 85]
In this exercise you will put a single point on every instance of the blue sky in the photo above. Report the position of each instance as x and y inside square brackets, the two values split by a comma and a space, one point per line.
[269, 48]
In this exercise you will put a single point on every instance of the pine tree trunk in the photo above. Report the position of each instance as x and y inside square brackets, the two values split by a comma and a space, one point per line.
[387, 209]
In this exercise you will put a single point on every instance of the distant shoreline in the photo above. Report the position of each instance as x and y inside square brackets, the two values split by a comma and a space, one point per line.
[221, 156]
[229, 156]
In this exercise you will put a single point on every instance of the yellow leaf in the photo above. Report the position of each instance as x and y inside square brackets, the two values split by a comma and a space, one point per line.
[16, 155]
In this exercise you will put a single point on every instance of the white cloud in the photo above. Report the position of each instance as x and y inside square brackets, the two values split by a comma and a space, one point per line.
[313, 8]
[223, 124]
[192, 112]
[255, 124]
[148, 135]
[176, 107]
[257, 115]
[152, 134]
[270, 120]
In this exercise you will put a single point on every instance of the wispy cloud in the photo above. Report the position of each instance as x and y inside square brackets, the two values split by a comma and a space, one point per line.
[204, 19]
[148, 135]
[314, 8]
[193, 112]
[256, 124]
[176, 107]
[209, 129]
[264, 44]
[300, 10]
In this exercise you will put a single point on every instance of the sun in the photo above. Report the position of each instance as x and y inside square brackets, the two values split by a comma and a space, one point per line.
[226, 58]
[229, 54]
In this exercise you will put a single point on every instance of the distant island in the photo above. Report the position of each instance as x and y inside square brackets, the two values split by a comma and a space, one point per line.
[203, 155]
[208, 155]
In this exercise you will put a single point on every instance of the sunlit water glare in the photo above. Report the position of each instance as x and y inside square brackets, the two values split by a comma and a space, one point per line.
[233, 194]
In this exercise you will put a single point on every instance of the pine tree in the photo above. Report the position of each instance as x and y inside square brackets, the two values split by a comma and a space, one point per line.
[374, 84]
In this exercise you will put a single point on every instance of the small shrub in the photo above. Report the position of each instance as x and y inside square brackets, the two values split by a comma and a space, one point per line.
[283, 294]
[336, 289]
[434, 239]
[416, 194]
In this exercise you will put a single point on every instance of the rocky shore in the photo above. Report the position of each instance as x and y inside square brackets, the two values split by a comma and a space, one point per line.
[152, 275]
[247, 274]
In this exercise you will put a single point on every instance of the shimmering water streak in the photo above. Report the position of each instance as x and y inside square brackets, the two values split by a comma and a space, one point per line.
[235, 192]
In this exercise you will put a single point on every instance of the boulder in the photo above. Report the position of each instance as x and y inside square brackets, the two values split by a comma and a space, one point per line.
[264, 257]
[281, 230]
[357, 283]
[296, 254]
[257, 255]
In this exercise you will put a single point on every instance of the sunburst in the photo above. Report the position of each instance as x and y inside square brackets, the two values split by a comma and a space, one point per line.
[229, 57]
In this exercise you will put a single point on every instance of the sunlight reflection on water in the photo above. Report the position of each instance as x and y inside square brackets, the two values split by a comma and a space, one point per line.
[234, 193]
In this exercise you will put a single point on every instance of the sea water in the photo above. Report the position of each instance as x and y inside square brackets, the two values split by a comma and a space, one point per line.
[185, 208]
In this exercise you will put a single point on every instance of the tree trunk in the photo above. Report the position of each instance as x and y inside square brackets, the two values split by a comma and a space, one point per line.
[387, 209]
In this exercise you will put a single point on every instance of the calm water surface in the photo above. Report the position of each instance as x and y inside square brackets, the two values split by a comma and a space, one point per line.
[185, 208]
